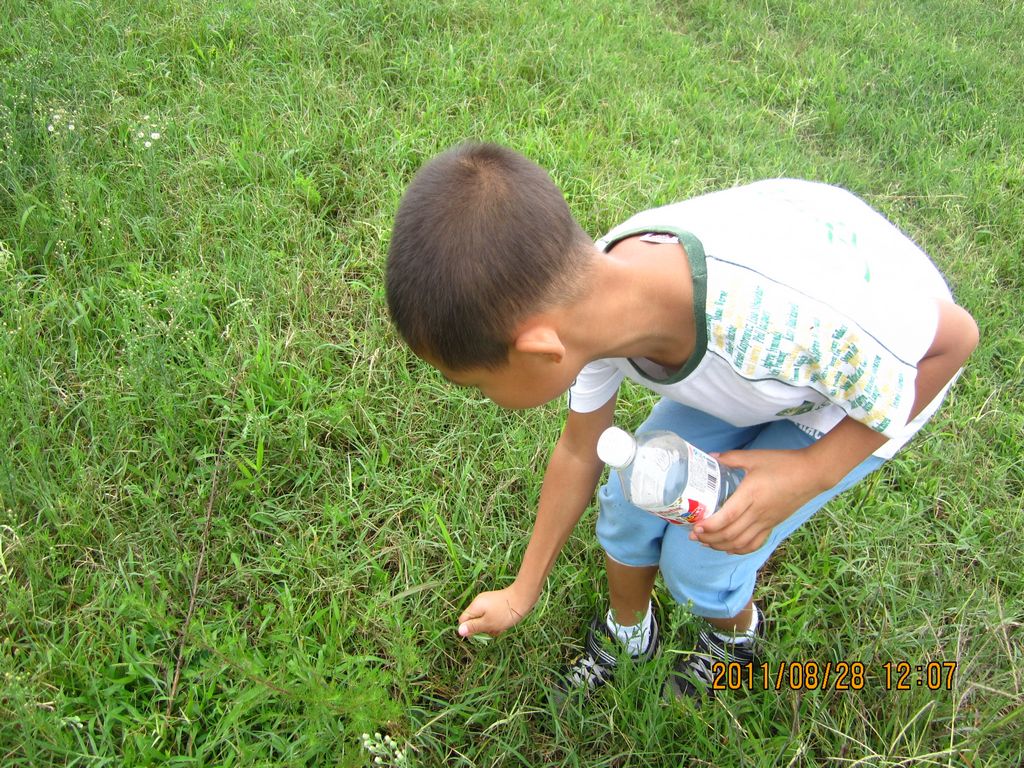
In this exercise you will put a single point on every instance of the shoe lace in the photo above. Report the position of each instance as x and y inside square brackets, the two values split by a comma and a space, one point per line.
[700, 666]
[585, 670]
[709, 650]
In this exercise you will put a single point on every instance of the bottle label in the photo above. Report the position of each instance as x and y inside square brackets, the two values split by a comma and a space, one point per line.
[699, 498]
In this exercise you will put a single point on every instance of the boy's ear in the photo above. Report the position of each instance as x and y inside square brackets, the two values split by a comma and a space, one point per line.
[540, 339]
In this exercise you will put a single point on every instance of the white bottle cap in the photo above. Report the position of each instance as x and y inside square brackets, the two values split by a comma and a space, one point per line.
[616, 447]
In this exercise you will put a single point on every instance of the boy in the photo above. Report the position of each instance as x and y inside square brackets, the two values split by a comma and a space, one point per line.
[788, 327]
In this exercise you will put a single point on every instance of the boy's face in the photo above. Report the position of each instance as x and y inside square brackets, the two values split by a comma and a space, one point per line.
[525, 381]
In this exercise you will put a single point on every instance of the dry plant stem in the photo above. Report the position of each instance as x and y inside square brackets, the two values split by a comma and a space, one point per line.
[180, 656]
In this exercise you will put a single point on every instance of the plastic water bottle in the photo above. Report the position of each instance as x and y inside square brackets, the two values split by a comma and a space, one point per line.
[665, 475]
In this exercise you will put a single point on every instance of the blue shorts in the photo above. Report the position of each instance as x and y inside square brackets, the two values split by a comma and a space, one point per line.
[718, 584]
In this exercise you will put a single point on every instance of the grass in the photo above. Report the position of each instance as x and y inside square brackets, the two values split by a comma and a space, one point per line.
[225, 278]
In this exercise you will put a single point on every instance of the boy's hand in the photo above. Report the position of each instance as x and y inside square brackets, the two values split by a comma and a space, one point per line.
[780, 482]
[494, 612]
[777, 484]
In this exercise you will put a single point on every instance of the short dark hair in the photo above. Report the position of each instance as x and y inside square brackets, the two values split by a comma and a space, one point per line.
[482, 239]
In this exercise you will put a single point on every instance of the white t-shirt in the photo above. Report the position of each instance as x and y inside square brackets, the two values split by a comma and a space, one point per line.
[808, 304]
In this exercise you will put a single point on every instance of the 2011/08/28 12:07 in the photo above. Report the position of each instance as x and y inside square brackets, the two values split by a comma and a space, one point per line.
[840, 676]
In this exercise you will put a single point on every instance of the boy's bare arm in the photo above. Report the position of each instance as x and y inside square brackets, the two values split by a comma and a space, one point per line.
[780, 482]
[569, 484]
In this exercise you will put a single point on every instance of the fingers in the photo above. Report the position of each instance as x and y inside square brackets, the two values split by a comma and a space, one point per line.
[469, 628]
[734, 459]
[471, 612]
[471, 620]
[487, 623]
[745, 545]
[731, 515]
[734, 529]
[740, 541]
[490, 613]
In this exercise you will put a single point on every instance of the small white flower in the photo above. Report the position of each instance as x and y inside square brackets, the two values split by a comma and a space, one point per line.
[154, 136]
[140, 134]
[49, 128]
[148, 144]
[71, 126]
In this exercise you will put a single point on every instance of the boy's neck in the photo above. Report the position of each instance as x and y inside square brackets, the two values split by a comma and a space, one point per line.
[640, 305]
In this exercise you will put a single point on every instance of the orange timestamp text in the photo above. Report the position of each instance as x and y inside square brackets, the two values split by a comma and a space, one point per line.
[832, 675]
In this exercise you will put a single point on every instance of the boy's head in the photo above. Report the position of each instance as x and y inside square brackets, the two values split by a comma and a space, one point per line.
[483, 239]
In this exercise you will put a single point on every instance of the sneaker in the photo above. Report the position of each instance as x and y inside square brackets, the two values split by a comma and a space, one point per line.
[596, 665]
[693, 674]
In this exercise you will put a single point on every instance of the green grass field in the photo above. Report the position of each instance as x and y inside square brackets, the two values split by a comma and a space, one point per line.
[238, 520]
